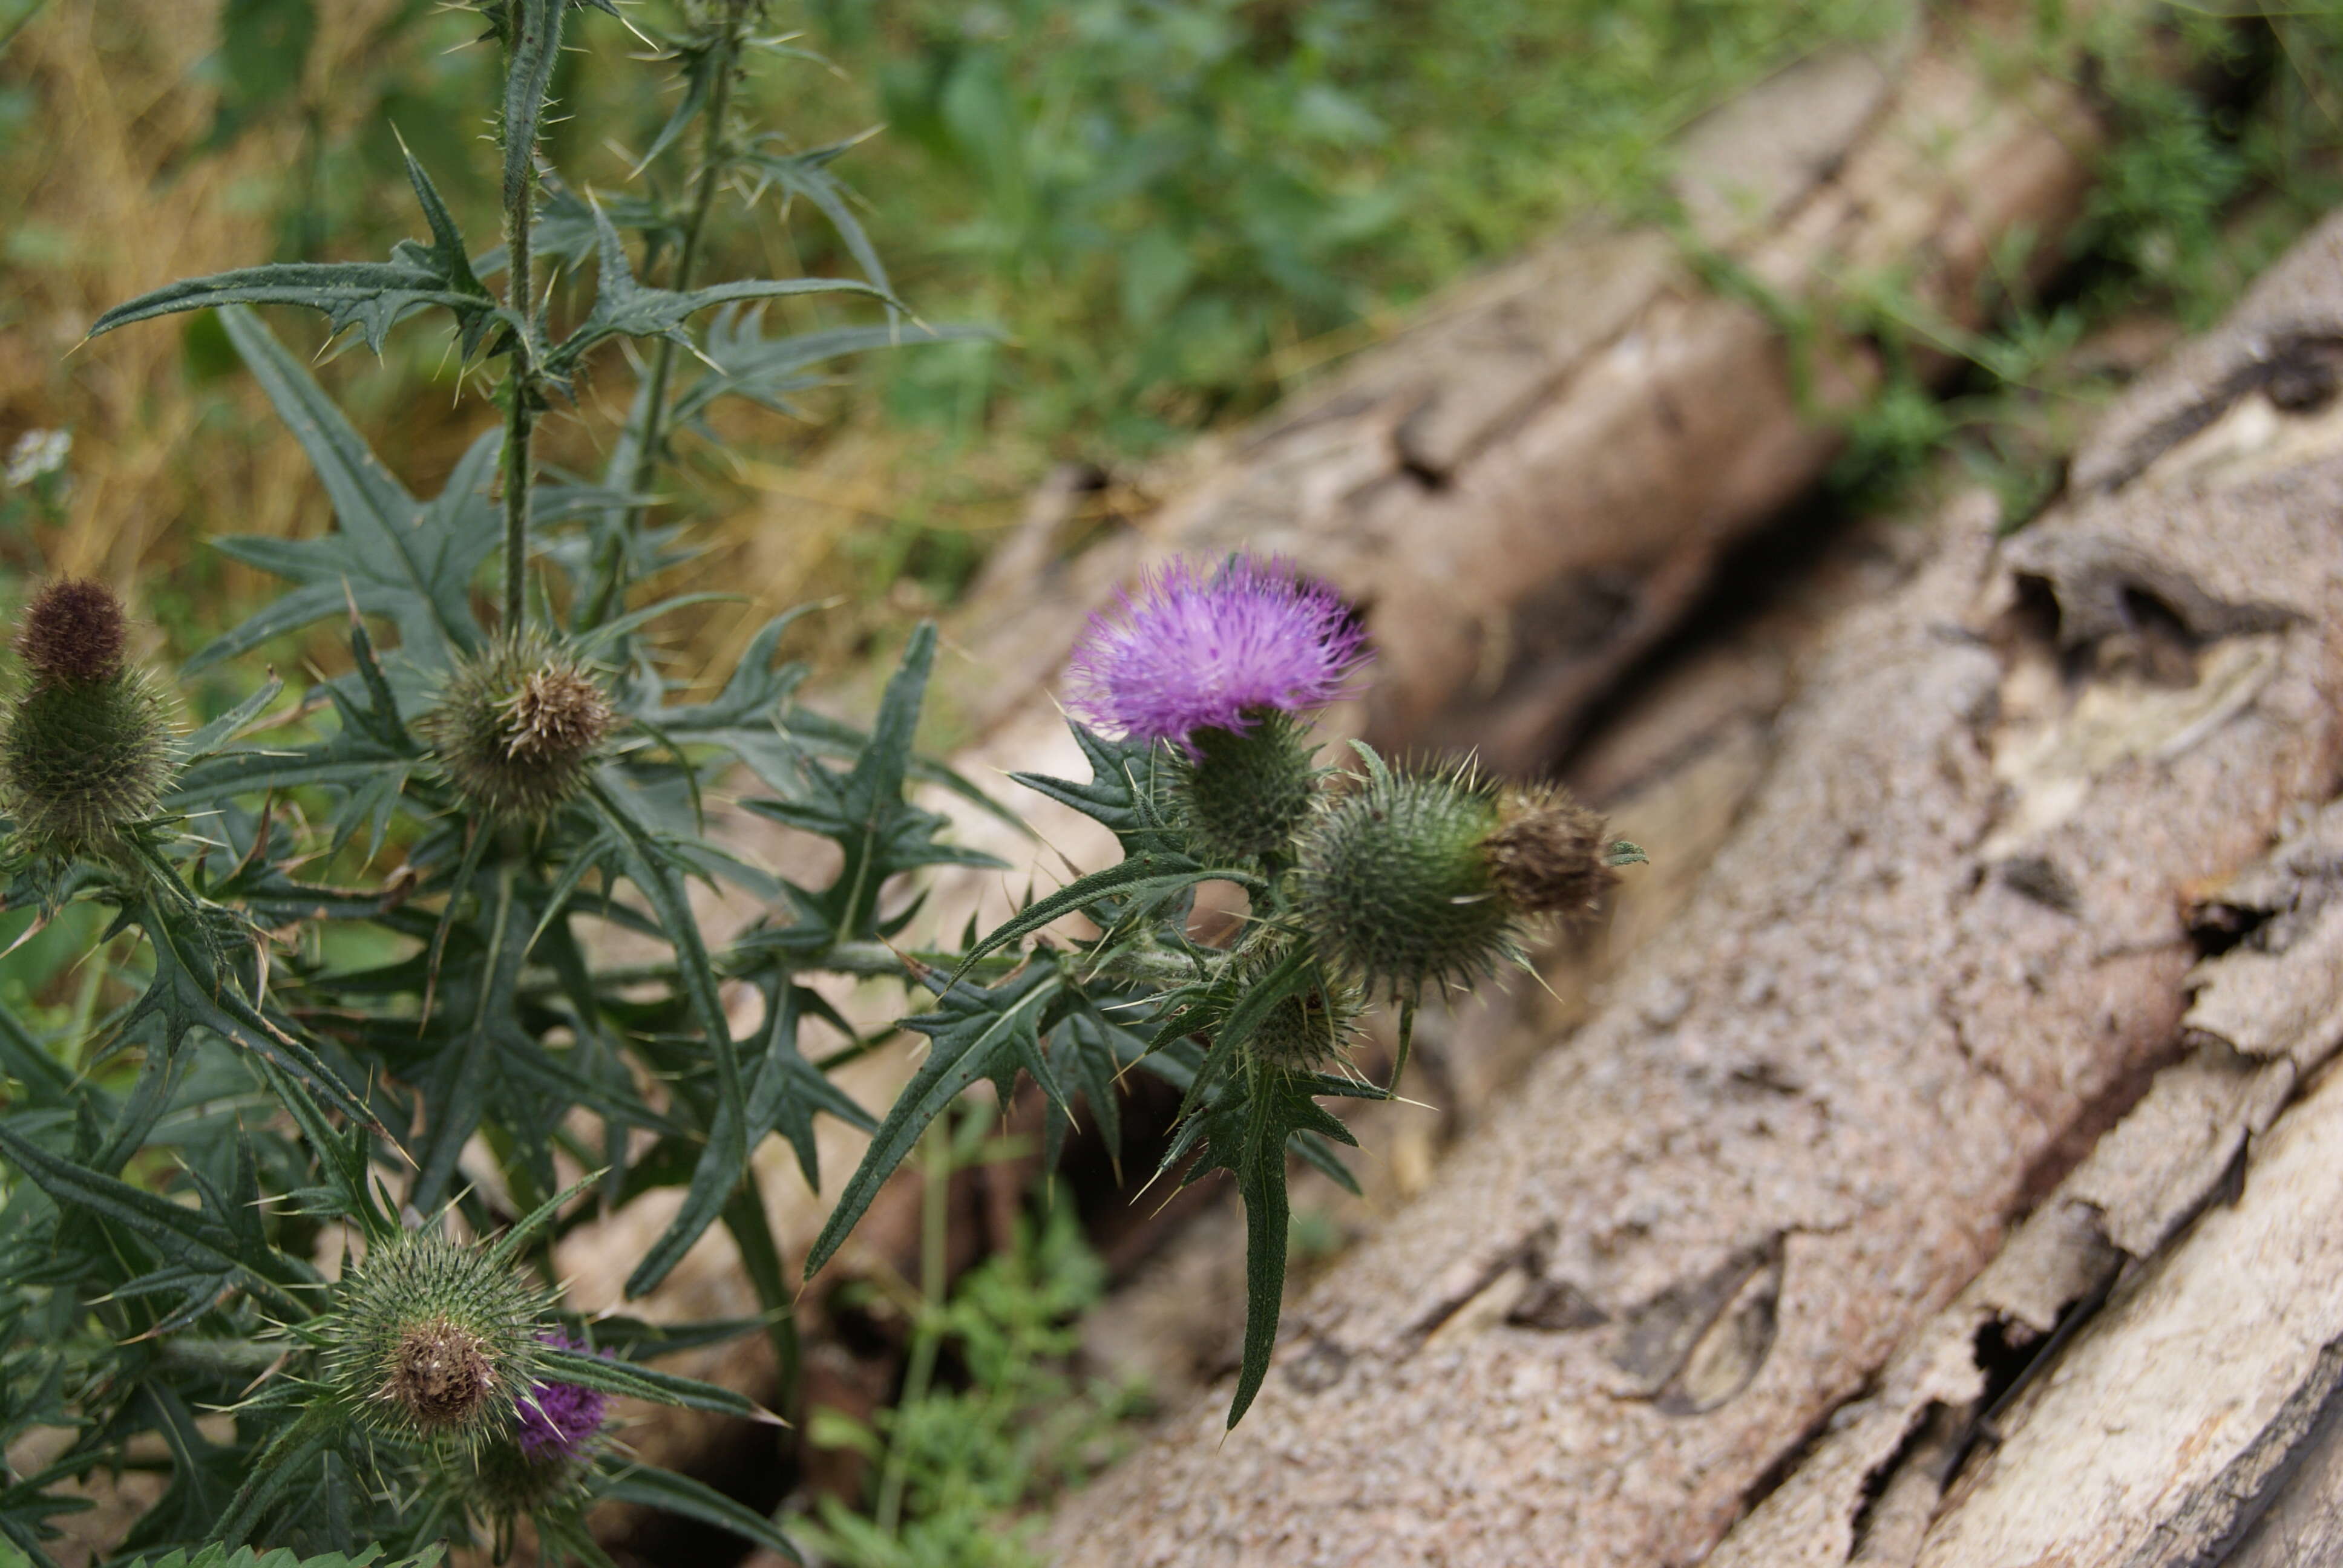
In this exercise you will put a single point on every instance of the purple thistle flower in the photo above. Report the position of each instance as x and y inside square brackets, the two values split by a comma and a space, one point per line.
[558, 1418]
[1196, 652]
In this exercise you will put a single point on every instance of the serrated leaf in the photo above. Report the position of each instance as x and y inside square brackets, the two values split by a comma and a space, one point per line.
[209, 1250]
[702, 63]
[864, 811]
[395, 556]
[342, 1154]
[625, 307]
[789, 1090]
[1125, 792]
[289, 1456]
[457, 1088]
[807, 175]
[372, 296]
[1090, 1051]
[633, 1381]
[1138, 883]
[46, 1082]
[220, 732]
[651, 867]
[193, 988]
[974, 1034]
[634, 1337]
[1247, 1133]
[744, 363]
[533, 47]
[196, 990]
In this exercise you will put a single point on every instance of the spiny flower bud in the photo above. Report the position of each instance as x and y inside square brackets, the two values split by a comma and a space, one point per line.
[1245, 792]
[505, 1482]
[1395, 889]
[517, 728]
[1417, 880]
[432, 1340]
[87, 750]
[73, 630]
[1309, 1028]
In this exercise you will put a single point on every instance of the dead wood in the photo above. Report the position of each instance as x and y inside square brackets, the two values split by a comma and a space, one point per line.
[1778, 1179]
[1524, 494]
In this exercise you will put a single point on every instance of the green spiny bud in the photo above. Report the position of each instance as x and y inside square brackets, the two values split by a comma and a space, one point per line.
[1396, 889]
[87, 747]
[504, 1481]
[1416, 879]
[1243, 794]
[1311, 1027]
[430, 1339]
[518, 727]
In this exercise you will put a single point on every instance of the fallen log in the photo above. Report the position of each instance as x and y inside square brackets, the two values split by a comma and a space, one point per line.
[1943, 954]
[1524, 494]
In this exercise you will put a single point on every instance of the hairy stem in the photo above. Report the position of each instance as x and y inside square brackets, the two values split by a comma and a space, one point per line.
[520, 417]
[520, 424]
[714, 153]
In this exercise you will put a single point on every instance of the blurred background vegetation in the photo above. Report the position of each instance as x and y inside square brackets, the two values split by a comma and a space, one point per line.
[1170, 212]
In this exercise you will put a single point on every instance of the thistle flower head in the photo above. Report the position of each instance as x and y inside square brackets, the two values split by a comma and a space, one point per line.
[1196, 651]
[430, 1339]
[558, 1419]
[517, 726]
[74, 631]
[87, 747]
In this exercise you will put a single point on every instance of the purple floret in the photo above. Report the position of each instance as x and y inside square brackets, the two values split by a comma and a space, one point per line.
[558, 1418]
[1194, 652]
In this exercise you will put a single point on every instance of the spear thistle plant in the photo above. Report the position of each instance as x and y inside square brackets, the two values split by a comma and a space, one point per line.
[357, 962]
[1392, 881]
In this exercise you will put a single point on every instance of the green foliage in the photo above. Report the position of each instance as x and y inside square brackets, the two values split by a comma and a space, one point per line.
[246, 1557]
[288, 1048]
[970, 1455]
[2223, 143]
[310, 1047]
[1169, 202]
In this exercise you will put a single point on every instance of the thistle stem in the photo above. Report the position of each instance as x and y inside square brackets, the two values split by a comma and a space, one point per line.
[713, 155]
[520, 417]
[519, 470]
[926, 1337]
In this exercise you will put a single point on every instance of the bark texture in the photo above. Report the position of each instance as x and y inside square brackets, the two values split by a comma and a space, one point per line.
[1711, 1260]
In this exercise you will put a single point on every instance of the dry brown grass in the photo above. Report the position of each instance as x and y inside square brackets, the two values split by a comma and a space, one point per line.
[109, 176]
[113, 180]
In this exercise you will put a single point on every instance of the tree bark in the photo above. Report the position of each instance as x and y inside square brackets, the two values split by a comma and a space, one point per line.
[1747, 1269]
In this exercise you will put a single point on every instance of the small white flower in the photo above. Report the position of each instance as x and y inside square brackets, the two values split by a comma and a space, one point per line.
[36, 455]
